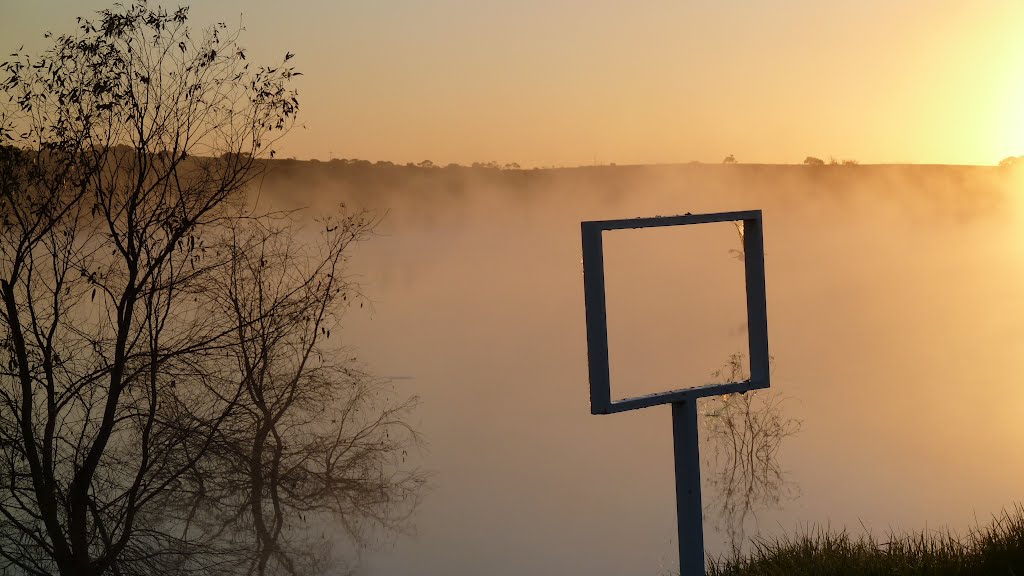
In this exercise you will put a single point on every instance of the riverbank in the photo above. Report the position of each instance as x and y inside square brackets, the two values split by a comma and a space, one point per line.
[994, 549]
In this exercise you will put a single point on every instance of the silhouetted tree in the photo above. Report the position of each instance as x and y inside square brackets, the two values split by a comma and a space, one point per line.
[813, 161]
[730, 159]
[169, 403]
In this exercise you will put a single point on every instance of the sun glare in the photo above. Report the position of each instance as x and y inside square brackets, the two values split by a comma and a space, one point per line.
[1006, 80]
[1009, 139]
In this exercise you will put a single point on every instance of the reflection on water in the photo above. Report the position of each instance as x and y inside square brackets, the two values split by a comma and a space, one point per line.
[743, 435]
[894, 317]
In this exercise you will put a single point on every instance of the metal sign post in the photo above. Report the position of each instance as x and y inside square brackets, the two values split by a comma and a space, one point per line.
[689, 515]
[684, 401]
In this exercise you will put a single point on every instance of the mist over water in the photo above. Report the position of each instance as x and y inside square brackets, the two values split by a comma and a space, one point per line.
[895, 320]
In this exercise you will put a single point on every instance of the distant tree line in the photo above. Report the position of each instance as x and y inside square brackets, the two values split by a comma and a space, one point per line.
[832, 161]
[425, 164]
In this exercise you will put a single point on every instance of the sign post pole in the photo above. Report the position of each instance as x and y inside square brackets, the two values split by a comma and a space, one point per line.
[689, 516]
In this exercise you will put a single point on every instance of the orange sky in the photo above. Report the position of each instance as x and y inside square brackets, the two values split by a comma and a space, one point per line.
[561, 82]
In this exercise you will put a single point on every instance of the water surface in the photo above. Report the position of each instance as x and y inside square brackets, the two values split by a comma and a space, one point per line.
[895, 320]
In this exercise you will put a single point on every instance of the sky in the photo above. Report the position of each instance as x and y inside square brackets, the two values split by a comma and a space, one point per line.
[574, 82]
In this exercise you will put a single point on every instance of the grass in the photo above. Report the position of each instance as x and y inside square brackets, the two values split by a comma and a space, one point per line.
[996, 549]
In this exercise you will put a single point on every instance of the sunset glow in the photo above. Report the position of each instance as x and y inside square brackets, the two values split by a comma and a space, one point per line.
[568, 83]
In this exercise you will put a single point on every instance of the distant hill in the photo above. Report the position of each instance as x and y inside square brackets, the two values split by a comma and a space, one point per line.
[953, 190]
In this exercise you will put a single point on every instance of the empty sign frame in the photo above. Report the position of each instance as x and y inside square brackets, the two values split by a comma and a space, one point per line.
[597, 321]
